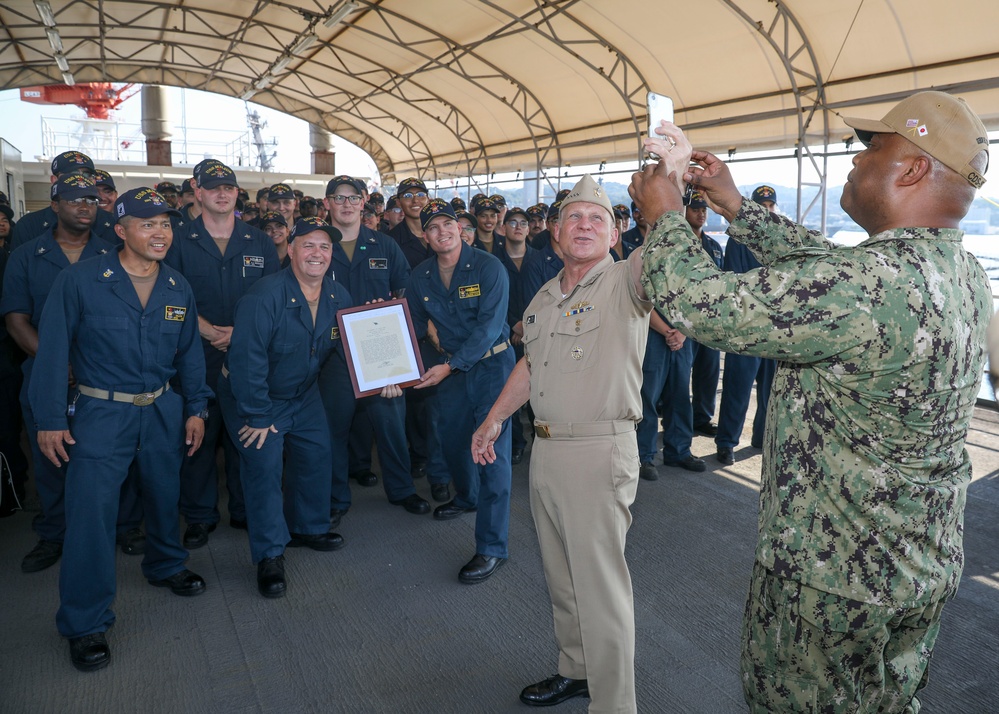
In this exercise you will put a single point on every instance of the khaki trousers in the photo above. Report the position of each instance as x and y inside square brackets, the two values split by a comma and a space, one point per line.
[581, 489]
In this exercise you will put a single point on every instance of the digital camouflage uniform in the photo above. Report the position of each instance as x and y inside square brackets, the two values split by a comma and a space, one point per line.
[864, 467]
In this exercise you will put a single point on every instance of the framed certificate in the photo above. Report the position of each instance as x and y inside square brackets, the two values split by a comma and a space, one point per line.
[380, 345]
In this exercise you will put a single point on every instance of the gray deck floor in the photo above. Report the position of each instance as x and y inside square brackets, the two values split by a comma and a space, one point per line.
[384, 626]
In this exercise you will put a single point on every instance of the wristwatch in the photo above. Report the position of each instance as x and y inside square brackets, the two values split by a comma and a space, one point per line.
[203, 414]
[448, 363]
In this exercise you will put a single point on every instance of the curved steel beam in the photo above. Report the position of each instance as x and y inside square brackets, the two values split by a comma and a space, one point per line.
[786, 37]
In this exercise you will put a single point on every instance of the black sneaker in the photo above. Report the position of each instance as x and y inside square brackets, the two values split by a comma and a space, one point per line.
[648, 472]
[42, 556]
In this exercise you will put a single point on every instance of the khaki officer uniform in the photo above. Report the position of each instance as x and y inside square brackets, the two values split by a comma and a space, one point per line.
[585, 353]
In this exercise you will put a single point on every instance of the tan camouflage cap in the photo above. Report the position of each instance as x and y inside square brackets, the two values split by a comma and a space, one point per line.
[586, 189]
[940, 124]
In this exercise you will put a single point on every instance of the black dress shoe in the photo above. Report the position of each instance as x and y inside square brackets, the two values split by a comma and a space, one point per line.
[336, 515]
[43, 555]
[183, 583]
[479, 568]
[450, 510]
[708, 429]
[691, 463]
[554, 690]
[414, 504]
[322, 541]
[440, 492]
[516, 456]
[196, 535]
[90, 652]
[647, 472]
[725, 455]
[364, 478]
[132, 541]
[237, 523]
[270, 577]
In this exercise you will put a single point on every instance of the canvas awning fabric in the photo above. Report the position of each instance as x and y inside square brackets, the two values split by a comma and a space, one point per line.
[442, 88]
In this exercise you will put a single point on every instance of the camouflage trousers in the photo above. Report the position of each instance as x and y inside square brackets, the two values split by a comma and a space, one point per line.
[804, 650]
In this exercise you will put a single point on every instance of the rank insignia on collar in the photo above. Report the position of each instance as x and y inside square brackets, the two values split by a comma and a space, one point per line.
[530, 319]
[246, 236]
[172, 281]
[335, 333]
[108, 273]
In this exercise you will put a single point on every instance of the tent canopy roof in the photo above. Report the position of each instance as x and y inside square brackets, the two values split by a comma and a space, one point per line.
[442, 88]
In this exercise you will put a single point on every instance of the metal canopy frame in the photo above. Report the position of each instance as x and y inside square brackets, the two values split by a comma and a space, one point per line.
[457, 88]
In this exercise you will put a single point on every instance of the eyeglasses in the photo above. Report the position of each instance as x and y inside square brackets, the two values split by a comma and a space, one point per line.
[395, 210]
[517, 224]
[468, 229]
[339, 200]
[82, 202]
[409, 196]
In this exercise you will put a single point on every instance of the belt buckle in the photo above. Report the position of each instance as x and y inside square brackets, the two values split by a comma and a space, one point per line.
[542, 431]
[144, 399]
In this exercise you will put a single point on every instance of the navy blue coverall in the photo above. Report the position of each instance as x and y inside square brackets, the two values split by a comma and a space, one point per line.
[706, 363]
[94, 322]
[273, 363]
[218, 283]
[31, 271]
[471, 317]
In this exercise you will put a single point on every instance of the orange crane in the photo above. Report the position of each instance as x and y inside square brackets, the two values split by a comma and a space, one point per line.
[97, 99]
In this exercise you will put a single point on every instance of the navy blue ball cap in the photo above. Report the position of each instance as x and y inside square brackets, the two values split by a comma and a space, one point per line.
[165, 187]
[458, 203]
[411, 185]
[279, 191]
[554, 209]
[696, 200]
[215, 175]
[498, 200]
[308, 225]
[71, 161]
[336, 181]
[103, 178]
[6, 210]
[271, 217]
[201, 166]
[69, 187]
[187, 186]
[560, 196]
[485, 204]
[142, 203]
[537, 211]
[764, 193]
[436, 207]
[516, 211]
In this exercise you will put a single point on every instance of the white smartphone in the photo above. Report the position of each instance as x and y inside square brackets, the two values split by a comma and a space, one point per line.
[660, 108]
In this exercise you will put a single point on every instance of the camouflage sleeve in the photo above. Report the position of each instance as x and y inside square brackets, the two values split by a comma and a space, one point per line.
[806, 306]
[771, 235]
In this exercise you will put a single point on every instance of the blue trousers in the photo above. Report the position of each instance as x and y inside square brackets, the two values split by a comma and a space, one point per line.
[737, 386]
[110, 437]
[465, 399]
[303, 507]
[337, 394]
[666, 374]
[199, 490]
[704, 383]
[385, 419]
